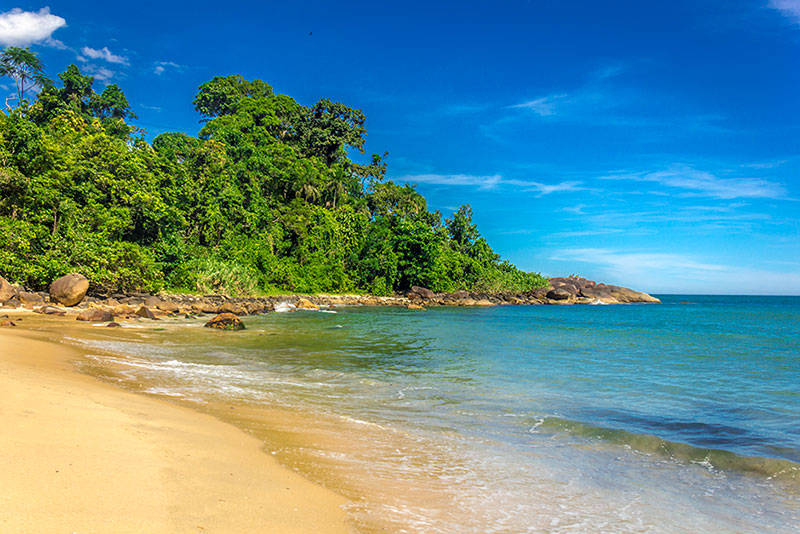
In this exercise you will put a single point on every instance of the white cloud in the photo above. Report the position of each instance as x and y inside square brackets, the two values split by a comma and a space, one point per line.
[701, 183]
[100, 73]
[23, 28]
[789, 8]
[104, 54]
[162, 66]
[489, 182]
[546, 105]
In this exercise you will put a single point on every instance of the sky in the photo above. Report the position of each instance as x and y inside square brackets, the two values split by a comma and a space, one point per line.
[649, 144]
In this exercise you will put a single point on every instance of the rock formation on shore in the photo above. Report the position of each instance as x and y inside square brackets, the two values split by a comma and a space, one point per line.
[70, 291]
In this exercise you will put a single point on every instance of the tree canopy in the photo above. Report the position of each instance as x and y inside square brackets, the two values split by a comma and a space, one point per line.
[265, 198]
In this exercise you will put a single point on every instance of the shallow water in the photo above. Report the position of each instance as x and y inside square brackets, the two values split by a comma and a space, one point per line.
[680, 417]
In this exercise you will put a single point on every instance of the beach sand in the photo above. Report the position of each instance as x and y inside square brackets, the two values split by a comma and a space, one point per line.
[81, 456]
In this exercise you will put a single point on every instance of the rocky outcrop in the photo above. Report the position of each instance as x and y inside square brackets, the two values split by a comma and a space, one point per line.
[69, 290]
[417, 292]
[95, 315]
[225, 321]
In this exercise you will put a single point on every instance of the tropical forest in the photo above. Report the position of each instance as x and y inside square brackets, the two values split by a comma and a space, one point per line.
[269, 196]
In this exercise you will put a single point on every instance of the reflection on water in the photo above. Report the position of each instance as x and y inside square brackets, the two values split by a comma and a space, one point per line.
[511, 419]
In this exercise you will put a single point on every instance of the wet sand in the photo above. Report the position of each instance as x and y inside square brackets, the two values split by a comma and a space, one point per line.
[82, 456]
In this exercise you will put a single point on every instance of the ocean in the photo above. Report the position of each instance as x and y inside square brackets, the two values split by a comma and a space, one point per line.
[678, 417]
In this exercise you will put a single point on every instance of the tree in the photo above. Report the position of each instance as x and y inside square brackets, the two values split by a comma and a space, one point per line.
[220, 96]
[22, 65]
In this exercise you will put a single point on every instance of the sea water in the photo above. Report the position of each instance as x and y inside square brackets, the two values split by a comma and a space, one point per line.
[678, 417]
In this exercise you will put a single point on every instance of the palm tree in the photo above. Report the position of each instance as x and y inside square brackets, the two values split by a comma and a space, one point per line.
[24, 68]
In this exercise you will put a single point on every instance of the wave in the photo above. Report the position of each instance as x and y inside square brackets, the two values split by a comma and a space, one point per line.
[776, 469]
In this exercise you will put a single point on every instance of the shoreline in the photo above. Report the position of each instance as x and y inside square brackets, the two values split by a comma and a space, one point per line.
[107, 459]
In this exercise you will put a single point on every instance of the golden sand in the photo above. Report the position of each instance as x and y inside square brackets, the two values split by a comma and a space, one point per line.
[82, 456]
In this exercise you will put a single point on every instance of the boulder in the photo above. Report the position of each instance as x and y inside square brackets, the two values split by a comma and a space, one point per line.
[30, 299]
[145, 313]
[414, 307]
[13, 303]
[232, 307]
[458, 295]
[69, 290]
[122, 310]
[225, 321]
[7, 291]
[305, 304]
[50, 310]
[112, 324]
[558, 294]
[422, 292]
[95, 315]
[7, 323]
[152, 302]
[484, 302]
[169, 307]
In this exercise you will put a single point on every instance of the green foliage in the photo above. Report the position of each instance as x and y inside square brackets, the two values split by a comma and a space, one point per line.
[264, 199]
[25, 68]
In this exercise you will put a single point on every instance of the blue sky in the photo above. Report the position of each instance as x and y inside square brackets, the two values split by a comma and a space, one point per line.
[651, 144]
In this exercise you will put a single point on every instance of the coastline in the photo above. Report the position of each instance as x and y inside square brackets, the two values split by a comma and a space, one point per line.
[85, 456]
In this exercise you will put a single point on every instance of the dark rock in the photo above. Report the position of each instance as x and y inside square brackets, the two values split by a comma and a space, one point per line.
[112, 324]
[458, 295]
[226, 321]
[558, 294]
[422, 292]
[95, 315]
[7, 323]
[69, 290]
[144, 313]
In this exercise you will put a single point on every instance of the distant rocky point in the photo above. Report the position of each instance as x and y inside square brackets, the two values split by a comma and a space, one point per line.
[70, 292]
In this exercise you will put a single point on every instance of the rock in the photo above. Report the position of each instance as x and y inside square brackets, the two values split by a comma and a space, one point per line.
[232, 307]
[13, 304]
[422, 292]
[415, 307]
[95, 315]
[305, 304]
[145, 313]
[30, 299]
[558, 294]
[254, 308]
[169, 307]
[112, 302]
[69, 290]
[484, 302]
[459, 295]
[152, 302]
[50, 310]
[205, 307]
[7, 323]
[226, 321]
[112, 324]
[7, 291]
[123, 310]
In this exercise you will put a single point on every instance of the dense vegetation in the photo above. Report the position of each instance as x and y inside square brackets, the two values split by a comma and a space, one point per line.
[265, 198]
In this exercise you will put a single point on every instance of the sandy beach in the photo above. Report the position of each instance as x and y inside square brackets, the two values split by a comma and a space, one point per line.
[82, 456]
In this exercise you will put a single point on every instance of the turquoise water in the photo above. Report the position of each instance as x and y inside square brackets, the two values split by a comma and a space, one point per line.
[679, 417]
